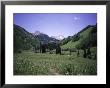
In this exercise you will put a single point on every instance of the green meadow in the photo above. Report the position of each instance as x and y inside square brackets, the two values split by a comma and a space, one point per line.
[31, 63]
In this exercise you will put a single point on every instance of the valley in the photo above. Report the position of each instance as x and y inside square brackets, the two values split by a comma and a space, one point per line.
[38, 54]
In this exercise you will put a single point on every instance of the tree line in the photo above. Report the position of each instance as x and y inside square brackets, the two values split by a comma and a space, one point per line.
[50, 46]
[54, 46]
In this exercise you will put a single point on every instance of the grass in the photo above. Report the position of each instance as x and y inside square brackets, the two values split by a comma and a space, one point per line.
[30, 63]
[72, 44]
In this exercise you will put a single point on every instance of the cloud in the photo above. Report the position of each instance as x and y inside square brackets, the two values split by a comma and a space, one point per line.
[76, 18]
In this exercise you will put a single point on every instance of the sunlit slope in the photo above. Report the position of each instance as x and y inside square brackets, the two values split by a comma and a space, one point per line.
[84, 38]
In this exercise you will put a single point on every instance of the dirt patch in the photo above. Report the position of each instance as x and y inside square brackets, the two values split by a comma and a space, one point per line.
[53, 71]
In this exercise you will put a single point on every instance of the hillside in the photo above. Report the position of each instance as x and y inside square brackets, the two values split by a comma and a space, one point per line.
[23, 40]
[83, 39]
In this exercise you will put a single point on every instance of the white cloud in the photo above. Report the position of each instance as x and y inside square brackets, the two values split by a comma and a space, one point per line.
[76, 18]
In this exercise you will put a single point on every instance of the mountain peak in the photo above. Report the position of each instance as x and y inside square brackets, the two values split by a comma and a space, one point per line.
[37, 33]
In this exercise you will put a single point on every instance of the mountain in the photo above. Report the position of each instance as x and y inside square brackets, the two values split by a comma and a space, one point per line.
[44, 38]
[87, 37]
[60, 37]
[36, 33]
[23, 40]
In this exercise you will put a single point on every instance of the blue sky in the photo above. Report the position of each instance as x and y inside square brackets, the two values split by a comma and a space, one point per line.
[55, 24]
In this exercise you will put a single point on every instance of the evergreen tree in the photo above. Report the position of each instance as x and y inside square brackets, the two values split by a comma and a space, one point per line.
[84, 53]
[40, 47]
[35, 49]
[70, 51]
[43, 48]
[89, 53]
[78, 53]
[58, 49]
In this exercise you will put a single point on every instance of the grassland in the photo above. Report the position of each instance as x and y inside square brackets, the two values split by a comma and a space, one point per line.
[83, 37]
[30, 63]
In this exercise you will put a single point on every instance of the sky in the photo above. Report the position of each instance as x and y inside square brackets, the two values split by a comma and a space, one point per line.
[55, 24]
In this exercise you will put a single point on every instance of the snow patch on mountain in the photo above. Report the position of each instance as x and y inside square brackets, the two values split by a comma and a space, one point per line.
[60, 37]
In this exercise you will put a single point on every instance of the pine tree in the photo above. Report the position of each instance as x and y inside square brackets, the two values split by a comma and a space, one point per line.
[78, 53]
[89, 53]
[84, 53]
[40, 47]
